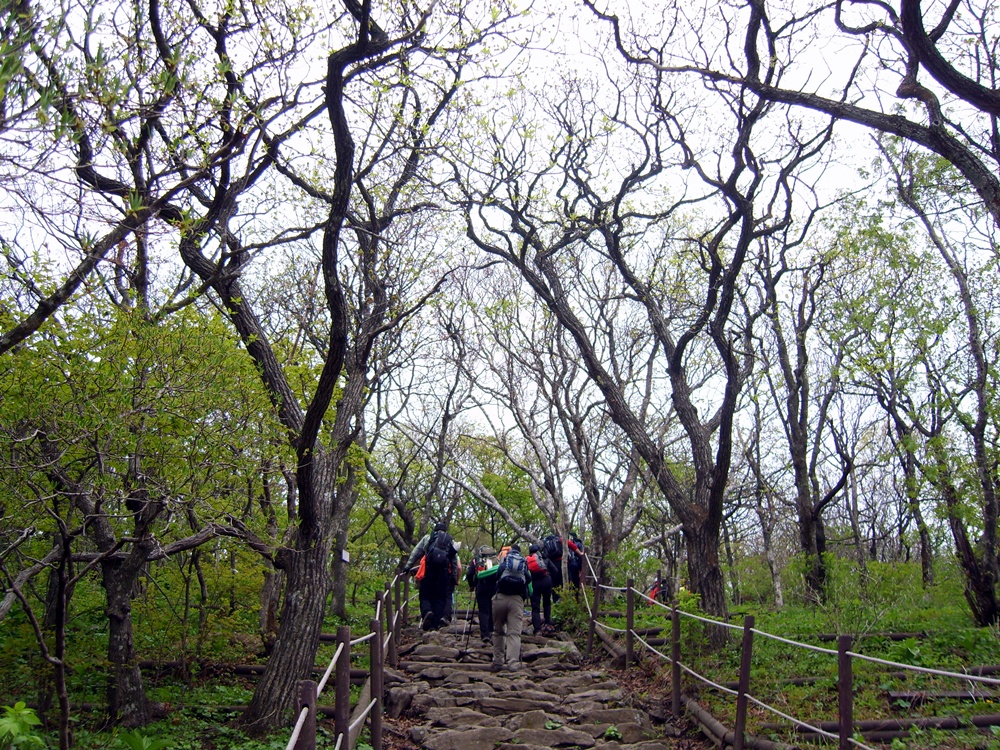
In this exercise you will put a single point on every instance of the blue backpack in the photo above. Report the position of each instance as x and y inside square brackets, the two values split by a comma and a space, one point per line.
[513, 574]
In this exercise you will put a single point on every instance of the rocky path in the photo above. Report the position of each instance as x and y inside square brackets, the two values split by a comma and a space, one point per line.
[446, 698]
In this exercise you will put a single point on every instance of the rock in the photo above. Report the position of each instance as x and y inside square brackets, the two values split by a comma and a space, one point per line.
[599, 696]
[632, 732]
[560, 737]
[393, 677]
[500, 705]
[566, 685]
[434, 673]
[537, 695]
[419, 733]
[562, 651]
[583, 709]
[619, 716]
[434, 652]
[457, 716]
[400, 698]
[532, 720]
[477, 738]
[594, 730]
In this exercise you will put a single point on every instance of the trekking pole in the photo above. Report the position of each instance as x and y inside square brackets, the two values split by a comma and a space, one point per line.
[468, 625]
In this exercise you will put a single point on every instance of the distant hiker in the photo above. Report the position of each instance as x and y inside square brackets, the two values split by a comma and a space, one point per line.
[439, 559]
[574, 565]
[553, 547]
[541, 591]
[482, 578]
[513, 587]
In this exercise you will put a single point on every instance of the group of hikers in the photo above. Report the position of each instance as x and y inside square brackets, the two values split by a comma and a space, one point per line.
[501, 582]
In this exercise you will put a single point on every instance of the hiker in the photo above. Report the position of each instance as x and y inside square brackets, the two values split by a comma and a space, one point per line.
[553, 547]
[437, 555]
[513, 587]
[540, 568]
[482, 578]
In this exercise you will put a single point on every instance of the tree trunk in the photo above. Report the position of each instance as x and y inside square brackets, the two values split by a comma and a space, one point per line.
[270, 599]
[294, 655]
[772, 562]
[731, 561]
[127, 703]
[705, 574]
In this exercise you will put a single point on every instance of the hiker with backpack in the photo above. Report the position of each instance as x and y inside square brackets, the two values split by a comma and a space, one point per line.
[553, 548]
[482, 578]
[513, 587]
[542, 575]
[437, 555]
[541, 571]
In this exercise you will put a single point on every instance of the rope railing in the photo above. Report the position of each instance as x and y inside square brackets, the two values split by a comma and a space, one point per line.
[363, 639]
[843, 729]
[329, 669]
[364, 715]
[381, 637]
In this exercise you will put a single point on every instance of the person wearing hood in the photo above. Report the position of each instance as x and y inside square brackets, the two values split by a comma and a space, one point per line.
[440, 564]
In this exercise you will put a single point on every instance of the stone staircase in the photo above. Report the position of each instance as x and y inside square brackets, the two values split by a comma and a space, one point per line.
[446, 698]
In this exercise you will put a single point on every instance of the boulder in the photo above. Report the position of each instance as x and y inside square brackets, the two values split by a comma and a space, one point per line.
[400, 698]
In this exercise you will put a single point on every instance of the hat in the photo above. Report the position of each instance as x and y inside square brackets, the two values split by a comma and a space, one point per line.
[532, 549]
[487, 551]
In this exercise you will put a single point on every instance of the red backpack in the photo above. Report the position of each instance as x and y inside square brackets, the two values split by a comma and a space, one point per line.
[535, 566]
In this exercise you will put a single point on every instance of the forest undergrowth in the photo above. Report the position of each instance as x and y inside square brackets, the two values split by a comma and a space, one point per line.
[885, 609]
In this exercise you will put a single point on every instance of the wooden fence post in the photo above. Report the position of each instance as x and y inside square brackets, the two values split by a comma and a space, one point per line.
[307, 698]
[744, 683]
[629, 622]
[342, 685]
[389, 628]
[845, 691]
[675, 660]
[377, 672]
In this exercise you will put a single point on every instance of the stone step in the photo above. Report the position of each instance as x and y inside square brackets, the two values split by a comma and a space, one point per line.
[552, 701]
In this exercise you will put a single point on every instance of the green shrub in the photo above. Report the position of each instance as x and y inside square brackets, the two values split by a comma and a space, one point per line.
[17, 727]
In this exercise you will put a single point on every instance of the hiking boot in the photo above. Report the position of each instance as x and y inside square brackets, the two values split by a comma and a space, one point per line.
[514, 666]
[425, 624]
[495, 667]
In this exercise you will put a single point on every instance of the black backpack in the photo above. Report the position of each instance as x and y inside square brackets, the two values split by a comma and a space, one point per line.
[513, 572]
[553, 547]
[439, 549]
